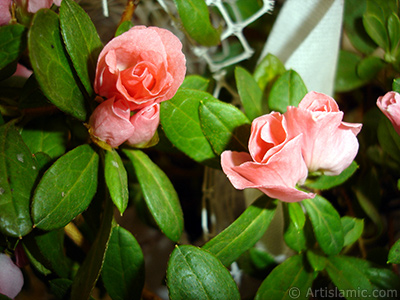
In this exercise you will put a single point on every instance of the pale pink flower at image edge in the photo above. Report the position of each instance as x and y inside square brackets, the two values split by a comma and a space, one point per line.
[275, 164]
[11, 278]
[389, 104]
[5, 14]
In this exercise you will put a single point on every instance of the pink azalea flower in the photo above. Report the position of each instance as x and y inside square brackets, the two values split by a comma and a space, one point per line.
[11, 278]
[389, 104]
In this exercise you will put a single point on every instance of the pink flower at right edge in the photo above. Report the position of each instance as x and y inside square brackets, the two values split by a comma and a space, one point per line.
[11, 278]
[5, 14]
[275, 163]
[389, 104]
[328, 145]
[111, 122]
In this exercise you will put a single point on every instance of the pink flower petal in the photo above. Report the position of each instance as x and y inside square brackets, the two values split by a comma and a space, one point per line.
[389, 104]
[145, 123]
[11, 278]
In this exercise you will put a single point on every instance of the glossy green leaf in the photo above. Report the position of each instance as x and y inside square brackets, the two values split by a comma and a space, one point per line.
[352, 22]
[250, 94]
[12, 43]
[376, 29]
[123, 269]
[116, 179]
[244, 232]
[326, 224]
[289, 280]
[294, 222]
[159, 194]
[195, 82]
[81, 41]
[368, 68]
[66, 189]
[181, 123]
[325, 182]
[48, 135]
[123, 27]
[194, 274]
[89, 272]
[393, 26]
[288, 89]
[268, 70]
[317, 260]
[347, 78]
[394, 253]
[388, 138]
[196, 21]
[18, 173]
[48, 249]
[51, 65]
[396, 85]
[224, 126]
[349, 278]
[352, 229]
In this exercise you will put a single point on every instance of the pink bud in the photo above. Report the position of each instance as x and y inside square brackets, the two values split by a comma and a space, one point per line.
[389, 104]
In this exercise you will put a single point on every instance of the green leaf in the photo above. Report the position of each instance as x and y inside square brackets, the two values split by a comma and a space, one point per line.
[18, 173]
[288, 89]
[294, 226]
[268, 70]
[116, 180]
[66, 189]
[224, 125]
[317, 260]
[51, 65]
[48, 249]
[388, 138]
[12, 43]
[60, 287]
[195, 82]
[393, 27]
[352, 229]
[349, 278]
[325, 182]
[123, 269]
[289, 280]
[244, 232]
[123, 27]
[250, 94]
[394, 253]
[196, 21]
[159, 194]
[368, 68]
[376, 29]
[181, 123]
[194, 274]
[347, 78]
[48, 135]
[326, 224]
[396, 85]
[81, 41]
[88, 273]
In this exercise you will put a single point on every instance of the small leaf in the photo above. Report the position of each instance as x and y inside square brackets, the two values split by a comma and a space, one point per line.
[181, 123]
[195, 82]
[325, 182]
[12, 43]
[288, 89]
[376, 30]
[48, 135]
[316, 260]
[352, 229]
[388, 138]
[116, 179]
[224, 125]
[244, 232]
[123, 27]
[123, 269]
[289, 280]
[51, 65]
[194, 274]
[250, 94]
[368, 68]
[347, 78]
[268, 70]
[81, 41]
[348, 277]
[159, 194]
[326, 224]
[196, 21]
[18, 173]
[393, 27]
[88, 273]
[396, 85]
[394, 253]
[66, 189]
[294, 226]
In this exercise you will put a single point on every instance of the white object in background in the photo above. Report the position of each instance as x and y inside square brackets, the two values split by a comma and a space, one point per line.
[306, 38]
